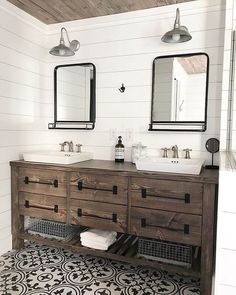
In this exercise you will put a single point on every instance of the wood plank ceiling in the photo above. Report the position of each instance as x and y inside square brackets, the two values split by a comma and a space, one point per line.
[56, 11]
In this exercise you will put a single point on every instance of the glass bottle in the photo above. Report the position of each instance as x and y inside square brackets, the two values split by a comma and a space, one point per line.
[119, 151]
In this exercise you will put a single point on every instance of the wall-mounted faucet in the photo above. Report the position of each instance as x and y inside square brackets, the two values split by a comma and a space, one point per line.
[176, 151]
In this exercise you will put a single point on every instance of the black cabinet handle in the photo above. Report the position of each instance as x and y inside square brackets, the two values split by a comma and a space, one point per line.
[114, 189]
[55, 208]
[144, 195]
[53, 182]
[185, 230]
[81, 214]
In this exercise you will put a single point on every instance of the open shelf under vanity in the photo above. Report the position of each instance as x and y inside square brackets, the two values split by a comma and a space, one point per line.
[124, 249]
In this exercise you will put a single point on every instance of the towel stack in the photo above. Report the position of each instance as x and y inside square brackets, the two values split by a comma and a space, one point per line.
[98, 239]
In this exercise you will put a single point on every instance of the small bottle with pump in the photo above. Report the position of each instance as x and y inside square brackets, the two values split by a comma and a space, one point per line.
[119, 151]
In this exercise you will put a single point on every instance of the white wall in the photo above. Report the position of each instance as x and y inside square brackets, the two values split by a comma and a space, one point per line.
[22, 98]
[122, 47]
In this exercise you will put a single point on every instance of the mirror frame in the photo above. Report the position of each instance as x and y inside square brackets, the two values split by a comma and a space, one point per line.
[192, 126]
[84, 125]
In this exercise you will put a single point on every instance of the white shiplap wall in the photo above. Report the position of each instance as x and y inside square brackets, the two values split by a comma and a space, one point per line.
[122, 47]
[21, 93]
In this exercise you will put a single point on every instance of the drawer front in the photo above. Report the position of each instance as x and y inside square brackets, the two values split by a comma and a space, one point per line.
[42, 206]
[99, 215]
[167, 195]
[42, 181]
[99, 187]
[164, 225]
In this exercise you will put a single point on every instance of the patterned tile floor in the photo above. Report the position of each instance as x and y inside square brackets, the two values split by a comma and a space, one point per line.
[43, 270]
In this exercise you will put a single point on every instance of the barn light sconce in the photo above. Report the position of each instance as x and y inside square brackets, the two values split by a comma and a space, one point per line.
[62, 49]
[179, 33]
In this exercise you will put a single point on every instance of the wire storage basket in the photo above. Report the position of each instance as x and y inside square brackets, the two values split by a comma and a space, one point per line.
[50, 229]
[168, 252]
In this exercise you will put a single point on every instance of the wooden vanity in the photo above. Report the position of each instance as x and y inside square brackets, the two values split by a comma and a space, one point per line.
[112, 196]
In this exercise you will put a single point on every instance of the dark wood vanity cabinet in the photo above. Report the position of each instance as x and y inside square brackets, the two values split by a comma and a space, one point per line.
[109, 196]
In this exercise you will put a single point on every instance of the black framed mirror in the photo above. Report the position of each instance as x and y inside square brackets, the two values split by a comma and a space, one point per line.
[74, 96]
[179, 92]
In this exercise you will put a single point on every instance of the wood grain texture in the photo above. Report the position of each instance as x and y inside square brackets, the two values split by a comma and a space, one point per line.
[167, 195]
[99, 187]
[208, 238]
[99, 215]
[42, 206]
[17, 221]
[168, 226]
[41, 181]
[55, 11]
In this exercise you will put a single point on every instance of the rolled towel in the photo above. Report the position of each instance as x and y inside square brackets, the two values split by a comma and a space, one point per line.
[98, 235]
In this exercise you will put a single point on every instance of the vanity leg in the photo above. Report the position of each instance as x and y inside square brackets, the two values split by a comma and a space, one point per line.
[17, 221]
[208, 238]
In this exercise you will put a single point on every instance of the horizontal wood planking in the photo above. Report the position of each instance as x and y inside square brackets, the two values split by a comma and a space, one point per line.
[99, 215]
[42, 181]
[99, 188]
[167, 195]
[42, 206]
[164, 224]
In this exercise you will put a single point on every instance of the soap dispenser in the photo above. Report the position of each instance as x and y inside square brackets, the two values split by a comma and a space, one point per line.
[119, 151]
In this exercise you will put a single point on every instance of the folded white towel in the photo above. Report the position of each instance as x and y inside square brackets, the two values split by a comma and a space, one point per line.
[96, 245]
[98, 235]
[95, 242]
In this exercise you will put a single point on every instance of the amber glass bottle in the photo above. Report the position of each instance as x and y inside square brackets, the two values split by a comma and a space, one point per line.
[119, 151]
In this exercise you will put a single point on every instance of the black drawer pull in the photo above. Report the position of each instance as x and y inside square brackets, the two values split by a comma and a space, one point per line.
[114, 189]
[81, 214]
[54, 182]
[185, 230]
[144, 195]
[55, 208]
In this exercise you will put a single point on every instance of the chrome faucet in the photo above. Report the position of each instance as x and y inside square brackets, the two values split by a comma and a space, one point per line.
[70, 145]
[176, 151]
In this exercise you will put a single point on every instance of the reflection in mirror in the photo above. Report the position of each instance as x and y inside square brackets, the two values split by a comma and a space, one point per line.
[74, 96]
[179, 97]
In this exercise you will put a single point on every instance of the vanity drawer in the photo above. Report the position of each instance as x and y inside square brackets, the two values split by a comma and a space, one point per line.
[99, 215]
[42, 181]
[42, 206]
[168, 195]
[99, 187]
[164, 225]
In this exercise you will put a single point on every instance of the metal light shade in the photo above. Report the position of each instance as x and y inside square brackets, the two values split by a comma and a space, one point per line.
[62, 49]
[179, 34]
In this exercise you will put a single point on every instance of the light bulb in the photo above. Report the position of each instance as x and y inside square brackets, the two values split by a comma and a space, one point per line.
[62, 51]
[175, 37]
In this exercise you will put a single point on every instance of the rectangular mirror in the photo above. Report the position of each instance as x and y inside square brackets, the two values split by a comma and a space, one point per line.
[179, 92]
[74, 96]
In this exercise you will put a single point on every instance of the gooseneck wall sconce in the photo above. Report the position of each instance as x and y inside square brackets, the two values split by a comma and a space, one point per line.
[179, 33]
[62, 49]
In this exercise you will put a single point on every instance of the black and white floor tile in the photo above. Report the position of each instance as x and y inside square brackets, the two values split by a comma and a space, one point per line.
[43, 270]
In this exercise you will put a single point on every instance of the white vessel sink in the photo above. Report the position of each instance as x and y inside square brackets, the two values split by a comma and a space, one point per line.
[57, 157]
[172, 165]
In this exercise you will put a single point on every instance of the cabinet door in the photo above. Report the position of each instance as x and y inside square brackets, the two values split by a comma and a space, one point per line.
[99, 215]
[164, 225]
[42, 206]
[40, 181]
[99, 187]
[168, 195]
